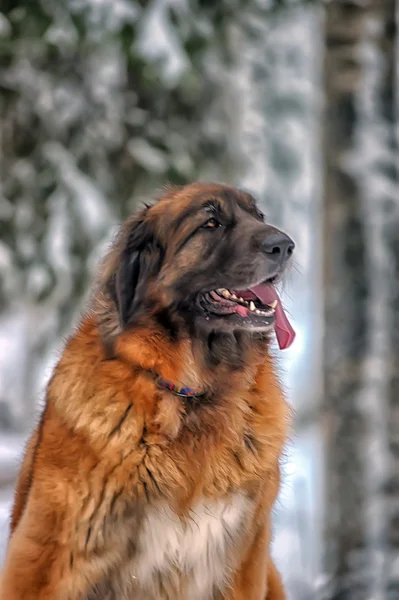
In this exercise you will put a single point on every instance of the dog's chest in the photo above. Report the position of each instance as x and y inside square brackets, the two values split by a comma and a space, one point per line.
[191, 558]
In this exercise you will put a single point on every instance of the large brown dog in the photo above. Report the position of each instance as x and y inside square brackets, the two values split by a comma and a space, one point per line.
[155, 466]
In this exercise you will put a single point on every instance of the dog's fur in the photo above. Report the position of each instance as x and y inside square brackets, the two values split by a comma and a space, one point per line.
[128, 491]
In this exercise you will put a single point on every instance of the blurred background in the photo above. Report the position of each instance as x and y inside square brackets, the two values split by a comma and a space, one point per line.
[102, 103]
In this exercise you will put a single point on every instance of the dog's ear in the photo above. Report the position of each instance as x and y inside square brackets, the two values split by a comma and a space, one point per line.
[140, 258]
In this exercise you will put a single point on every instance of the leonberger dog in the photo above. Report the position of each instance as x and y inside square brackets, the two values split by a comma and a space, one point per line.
[153, 471]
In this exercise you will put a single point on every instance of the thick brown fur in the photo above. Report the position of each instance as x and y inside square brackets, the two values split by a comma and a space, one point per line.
[111, 443]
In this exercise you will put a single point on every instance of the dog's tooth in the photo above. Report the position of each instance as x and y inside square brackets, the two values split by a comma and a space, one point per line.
[226, 293]
[234, 296]
[273, 304]
[258, 312]
[241, 299]
[251, 306]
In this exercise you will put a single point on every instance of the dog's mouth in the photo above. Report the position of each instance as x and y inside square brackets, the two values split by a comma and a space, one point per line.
[258, 307]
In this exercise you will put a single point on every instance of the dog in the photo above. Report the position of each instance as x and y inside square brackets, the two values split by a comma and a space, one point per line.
[156, 463]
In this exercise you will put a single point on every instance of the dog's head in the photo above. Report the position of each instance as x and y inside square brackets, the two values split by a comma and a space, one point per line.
[201, 258]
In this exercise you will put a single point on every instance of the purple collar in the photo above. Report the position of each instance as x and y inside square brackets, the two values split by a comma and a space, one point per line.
[184, 391]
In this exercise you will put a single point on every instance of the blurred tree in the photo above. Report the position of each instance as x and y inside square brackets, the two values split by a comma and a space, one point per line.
[101, 103]
[361, 280]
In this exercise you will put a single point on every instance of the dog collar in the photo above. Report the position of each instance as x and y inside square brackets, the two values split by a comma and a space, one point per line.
[184, 391]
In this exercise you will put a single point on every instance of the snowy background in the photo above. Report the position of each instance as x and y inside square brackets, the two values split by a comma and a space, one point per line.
[103, 101]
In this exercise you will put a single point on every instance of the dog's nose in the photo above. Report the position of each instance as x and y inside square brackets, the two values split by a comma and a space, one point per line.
[278, 246]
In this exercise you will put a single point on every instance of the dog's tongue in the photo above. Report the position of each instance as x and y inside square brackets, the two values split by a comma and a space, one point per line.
[284, 331]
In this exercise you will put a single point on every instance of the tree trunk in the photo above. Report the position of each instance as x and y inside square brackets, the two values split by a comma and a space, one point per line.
[361, 226]
[390, 114]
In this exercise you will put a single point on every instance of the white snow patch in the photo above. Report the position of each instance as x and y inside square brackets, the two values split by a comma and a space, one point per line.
[157, 41]
[90, 202]
[5, 26]
[147, 156]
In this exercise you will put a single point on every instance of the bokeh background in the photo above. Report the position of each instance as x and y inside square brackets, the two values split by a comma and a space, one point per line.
[102, 103]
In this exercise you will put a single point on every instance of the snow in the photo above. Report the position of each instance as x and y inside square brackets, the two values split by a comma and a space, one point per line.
[157, 41]
[147, 156]
[10, 456]
[5, 27]
[5, 257]
[13, 358]
[90, 203]
[106, 16]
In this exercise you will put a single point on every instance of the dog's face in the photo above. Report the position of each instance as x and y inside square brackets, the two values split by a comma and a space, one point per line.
[204, 257]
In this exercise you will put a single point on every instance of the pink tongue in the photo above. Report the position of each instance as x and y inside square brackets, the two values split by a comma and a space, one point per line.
[284, 331]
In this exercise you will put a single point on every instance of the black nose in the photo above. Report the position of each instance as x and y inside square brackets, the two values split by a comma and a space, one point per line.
[278, 246]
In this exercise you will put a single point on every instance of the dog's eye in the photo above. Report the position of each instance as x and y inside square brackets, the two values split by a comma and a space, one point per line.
[212, 224]
[260, 215]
